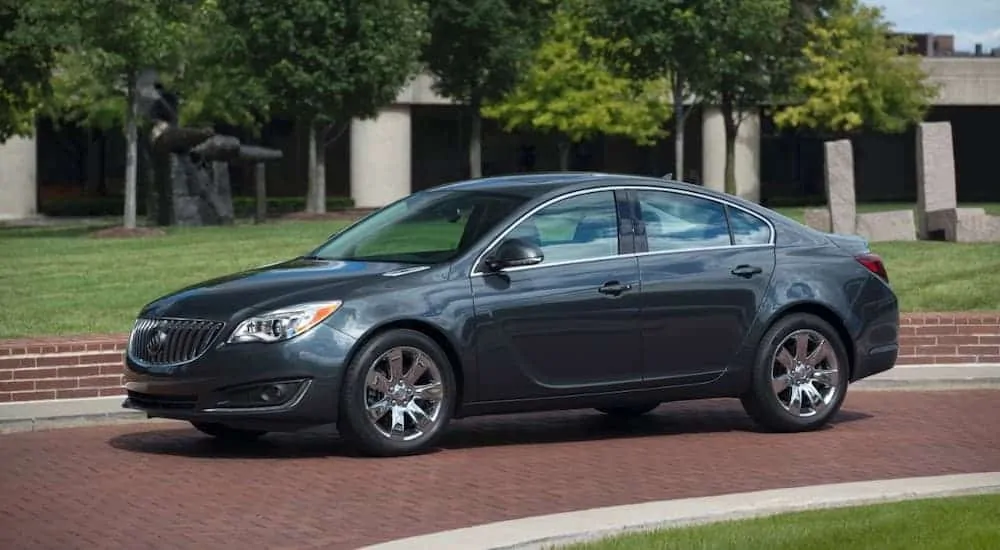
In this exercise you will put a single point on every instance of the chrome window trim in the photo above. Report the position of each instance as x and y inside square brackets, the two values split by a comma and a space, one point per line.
[633, 187]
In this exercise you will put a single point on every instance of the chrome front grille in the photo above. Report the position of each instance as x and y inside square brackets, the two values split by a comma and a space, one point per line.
[171, 341]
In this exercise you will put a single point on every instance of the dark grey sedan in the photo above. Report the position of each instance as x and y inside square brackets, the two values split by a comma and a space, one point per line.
[523, 293]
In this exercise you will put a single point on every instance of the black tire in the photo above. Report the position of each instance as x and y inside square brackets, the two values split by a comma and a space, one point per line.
[628, 411]
[763, 404]
[227, 433]
[353, 420]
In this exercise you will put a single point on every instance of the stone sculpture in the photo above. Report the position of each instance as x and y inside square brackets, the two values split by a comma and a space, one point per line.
[838, 174]
[840, 215]
[939, 217]
[191, 165]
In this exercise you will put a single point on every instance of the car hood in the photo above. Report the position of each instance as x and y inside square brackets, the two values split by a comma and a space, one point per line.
[269, 287]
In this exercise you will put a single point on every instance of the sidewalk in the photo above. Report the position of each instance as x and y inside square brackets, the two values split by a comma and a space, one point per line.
[61, 413]
[552, 531]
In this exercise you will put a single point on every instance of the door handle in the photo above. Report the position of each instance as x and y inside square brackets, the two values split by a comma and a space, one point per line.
[614, 288]
[746, 270]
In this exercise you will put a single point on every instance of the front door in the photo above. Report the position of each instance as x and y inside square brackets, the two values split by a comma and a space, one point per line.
[705, 268]
[568, 325]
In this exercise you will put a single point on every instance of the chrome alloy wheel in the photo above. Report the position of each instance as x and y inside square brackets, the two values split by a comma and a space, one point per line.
[804, 373]
[403, 393]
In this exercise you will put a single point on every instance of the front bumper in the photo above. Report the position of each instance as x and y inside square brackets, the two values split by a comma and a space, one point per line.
[282, 386]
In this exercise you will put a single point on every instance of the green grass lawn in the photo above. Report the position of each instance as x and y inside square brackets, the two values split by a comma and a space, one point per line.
[961, 523]
[59, 280]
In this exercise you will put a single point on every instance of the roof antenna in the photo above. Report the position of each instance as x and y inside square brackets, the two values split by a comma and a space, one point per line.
[668, 176]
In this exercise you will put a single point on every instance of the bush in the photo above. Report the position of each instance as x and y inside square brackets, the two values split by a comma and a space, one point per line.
[243, 207]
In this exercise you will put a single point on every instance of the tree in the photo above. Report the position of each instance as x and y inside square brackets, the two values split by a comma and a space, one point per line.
[854, 76]
[324, 63]
[666, 43]
[104, 46]
[567, 88]
[27, 53]
[747, 57]
[477, 50]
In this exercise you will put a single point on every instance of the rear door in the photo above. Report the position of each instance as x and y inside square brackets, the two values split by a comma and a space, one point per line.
[705, 266]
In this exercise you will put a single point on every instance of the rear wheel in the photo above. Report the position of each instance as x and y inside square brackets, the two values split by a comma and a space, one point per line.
[227, 433]
[800, 379]
[398, 396]
[628, 411]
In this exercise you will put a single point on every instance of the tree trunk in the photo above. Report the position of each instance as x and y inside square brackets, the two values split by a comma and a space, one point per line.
[731, 128]
[131, 157]
[564, 149]
[260, 188]
[680, 114]
[320, 175]
[312, 193]
[476, 139]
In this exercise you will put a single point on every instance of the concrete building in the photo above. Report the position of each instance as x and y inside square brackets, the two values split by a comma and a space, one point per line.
[419, 142]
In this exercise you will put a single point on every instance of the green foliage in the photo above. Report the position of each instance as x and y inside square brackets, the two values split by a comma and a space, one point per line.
[478, 48]
[854, 77]
[27, 52]
[322, 60]
[104, 43]
[744, 49]
[213, 82]
[664, 36]
[568, 88]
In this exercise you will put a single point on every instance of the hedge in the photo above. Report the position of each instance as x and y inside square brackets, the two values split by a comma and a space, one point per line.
[243, 207]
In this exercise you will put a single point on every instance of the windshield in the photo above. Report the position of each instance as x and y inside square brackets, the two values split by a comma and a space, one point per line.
[424, 228]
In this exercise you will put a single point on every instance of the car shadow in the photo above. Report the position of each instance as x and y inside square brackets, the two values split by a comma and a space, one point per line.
[478, 432]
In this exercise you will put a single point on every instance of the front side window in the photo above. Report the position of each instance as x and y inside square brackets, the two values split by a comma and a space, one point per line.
[424, 228]
[578, 228]
[675, 221]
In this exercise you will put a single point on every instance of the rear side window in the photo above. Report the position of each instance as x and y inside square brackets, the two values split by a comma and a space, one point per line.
[675, 221]
[747, 228]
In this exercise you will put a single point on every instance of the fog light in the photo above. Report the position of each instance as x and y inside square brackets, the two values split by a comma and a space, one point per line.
[270, 394]
[274, 393]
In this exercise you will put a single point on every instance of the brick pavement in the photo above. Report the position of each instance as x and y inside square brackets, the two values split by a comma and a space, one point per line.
[165, 486]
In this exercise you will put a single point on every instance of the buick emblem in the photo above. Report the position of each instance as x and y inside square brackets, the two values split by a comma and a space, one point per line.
[157, 342]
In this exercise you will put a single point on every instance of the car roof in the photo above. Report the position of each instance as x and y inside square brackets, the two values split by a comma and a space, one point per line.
[525, 185]
[542, 183]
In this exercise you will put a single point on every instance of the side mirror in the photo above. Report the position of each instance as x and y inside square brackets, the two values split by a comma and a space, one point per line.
[515, 253]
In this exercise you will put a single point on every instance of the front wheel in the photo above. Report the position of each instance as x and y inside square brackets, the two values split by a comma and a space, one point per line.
[398, 395]
[800, 378]
[227, 433]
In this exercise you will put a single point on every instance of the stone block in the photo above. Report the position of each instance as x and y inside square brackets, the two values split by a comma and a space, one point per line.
[894, 225]
[818, 218]
[963, 225]
[839, 176]
[936, 189]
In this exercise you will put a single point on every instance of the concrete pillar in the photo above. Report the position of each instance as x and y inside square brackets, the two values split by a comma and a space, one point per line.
[713, 153]
[380, 157]
[18, 181]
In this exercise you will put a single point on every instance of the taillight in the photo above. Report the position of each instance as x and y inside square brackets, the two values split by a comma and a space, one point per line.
[873, 263]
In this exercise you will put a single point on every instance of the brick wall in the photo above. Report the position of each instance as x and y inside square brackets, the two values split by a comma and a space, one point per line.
[63, 368]
[949, 338]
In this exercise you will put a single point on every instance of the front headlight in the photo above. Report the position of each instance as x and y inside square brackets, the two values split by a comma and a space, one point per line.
[284, 323]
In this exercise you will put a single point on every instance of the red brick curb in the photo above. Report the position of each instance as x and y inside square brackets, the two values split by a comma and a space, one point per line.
[91, 366]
